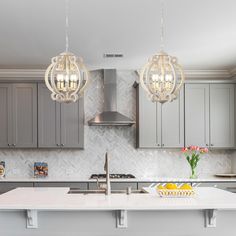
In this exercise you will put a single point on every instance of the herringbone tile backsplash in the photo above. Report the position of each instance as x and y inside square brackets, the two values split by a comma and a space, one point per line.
[119, 141]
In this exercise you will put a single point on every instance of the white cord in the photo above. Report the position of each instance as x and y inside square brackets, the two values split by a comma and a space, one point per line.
[67, 24]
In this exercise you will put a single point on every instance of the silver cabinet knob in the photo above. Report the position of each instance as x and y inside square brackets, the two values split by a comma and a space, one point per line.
[8, 144]
[158, 145]
[212, 145]
[13, 144]
[207, 144]
[163, 145]
[58, 144]
[62, 145]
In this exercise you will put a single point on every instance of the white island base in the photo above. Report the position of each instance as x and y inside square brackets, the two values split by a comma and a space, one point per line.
[53, 212]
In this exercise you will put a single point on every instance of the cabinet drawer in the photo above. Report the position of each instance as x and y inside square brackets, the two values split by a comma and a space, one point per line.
[116, 186]
[5, 187]
[83, 185]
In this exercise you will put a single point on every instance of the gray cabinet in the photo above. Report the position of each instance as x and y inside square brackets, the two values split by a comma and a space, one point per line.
[197, 114]
[209, 115]
[5, 115]
[18, 115]
[24, 115]
[78, 185]
[7, 186]
[159, 125]
[60, 125]
[173, 122]
[116, 185]
[222, 115]
[48, 119]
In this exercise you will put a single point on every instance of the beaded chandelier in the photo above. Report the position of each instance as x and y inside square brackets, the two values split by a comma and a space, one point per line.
[162, 77]
[67, 76]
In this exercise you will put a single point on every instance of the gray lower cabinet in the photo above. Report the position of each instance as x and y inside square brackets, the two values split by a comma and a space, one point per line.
[159, 125]
[117, 185]
[7, 186]
[60, 125]
[209, 115]
[18, 116]
[78, 185]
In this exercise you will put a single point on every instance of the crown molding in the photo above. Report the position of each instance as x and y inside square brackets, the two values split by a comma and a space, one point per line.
[233, 72]
[189, 74]
[207, 74]
[21, 73]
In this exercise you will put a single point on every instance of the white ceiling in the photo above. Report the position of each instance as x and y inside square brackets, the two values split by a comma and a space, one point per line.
[201, 33]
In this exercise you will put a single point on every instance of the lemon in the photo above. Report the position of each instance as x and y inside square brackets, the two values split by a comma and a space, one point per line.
[186, 187]
[171, 186]
[160, 187]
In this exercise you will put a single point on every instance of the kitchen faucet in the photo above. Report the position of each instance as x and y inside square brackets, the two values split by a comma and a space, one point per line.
[107, 185]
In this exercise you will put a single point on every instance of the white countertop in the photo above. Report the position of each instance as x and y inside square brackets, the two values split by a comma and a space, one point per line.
[58, 199]
[144, 179]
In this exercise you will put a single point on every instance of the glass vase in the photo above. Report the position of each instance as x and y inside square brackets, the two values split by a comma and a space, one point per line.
[193, 173]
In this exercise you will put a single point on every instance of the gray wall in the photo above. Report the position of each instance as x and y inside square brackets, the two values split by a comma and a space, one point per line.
[119, 141]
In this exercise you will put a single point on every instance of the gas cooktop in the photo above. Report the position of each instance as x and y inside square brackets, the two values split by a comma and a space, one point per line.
[112, 176]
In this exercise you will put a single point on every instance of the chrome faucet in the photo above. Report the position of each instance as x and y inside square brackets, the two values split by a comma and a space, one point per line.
[107, 185]
[106, 168]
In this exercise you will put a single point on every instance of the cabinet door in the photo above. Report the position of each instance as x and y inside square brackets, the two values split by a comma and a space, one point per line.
[222, 115]
[148, 121]
[173, 122]
[48, 119]
[72, 124]
[5, 115]
[197, 114]
[24, 115]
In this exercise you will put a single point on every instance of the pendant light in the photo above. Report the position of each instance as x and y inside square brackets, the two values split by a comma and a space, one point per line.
[162, 77]
[67, 76]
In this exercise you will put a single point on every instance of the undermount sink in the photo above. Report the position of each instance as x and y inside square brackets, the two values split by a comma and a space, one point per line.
[79, 191]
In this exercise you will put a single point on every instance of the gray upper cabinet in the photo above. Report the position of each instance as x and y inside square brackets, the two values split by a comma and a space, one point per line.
[25, 115]
[60, 125]
[147, 121]
[159, 125]
[72, 124]
[5, 115]
[197, 114]
[48, 119]
[222, 115]
[173, 122]
[18, 115]
[209, 115]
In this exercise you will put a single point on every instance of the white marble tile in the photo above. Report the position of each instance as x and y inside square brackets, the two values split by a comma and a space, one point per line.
[119, 141]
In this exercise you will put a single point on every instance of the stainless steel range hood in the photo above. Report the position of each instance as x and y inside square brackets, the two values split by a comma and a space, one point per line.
[110, 116]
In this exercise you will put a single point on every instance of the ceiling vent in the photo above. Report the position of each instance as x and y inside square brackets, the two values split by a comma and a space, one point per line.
[113, 55]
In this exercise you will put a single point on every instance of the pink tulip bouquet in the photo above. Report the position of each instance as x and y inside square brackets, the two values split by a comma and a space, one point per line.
[192, 154]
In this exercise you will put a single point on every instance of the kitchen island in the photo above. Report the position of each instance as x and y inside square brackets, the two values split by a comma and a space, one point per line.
[52, 211]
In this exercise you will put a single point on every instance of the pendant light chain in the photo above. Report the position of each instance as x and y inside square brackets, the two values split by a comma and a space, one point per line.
[67, 24]
[162, 25]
